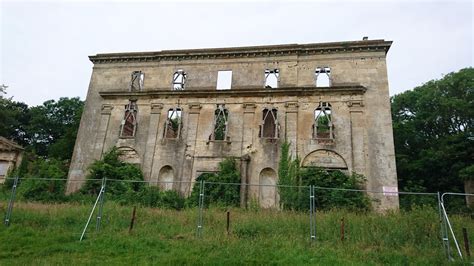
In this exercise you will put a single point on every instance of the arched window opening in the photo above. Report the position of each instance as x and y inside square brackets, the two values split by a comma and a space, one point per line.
[137, 81]
[221, 116]
[129, 123]
[269, 127]
[173, 124]
[323, 77]
[272, 78]
[179, 80]
[323, 126]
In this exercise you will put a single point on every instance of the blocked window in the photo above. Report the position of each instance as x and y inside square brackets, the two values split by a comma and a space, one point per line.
[179, 79]
[269, 127]
[323, 77]
[173, 124]
[272, 78]
[221, 116]
[129, 123]
[137, 81]
[224, 80]
[323, 126]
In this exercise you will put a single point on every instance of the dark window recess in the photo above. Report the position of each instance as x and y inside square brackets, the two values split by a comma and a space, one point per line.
[269, 127]
[173, 124]
[129, 122]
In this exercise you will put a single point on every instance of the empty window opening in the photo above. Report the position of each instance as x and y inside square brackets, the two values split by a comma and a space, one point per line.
[269, 126]
[221, 116]
[323, 77]
[173, 124]
[179, 80]
[224, 80]
[272, 78]
[137, 80]
[323, 126]
[129, 122]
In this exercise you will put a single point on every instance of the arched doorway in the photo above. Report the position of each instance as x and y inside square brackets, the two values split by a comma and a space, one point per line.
[166, 176]
[268, 195]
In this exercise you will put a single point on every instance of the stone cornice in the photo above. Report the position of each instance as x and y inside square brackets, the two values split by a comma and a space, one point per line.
[245, 52]
[236, 92]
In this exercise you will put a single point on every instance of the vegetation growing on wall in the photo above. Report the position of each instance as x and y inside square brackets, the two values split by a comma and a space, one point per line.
[290, 174]
[219, 194]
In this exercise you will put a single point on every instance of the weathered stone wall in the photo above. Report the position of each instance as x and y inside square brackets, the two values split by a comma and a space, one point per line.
[358, 96]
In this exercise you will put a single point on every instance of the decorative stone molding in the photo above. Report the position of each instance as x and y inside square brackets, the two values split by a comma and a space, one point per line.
[355, 103]
[245, 52]
[156, 108]
[291, 107]
[194, 108]
[249, 107]
[106, 109]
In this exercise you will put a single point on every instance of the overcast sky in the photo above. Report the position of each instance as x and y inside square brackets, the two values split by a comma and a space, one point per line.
[44, 45]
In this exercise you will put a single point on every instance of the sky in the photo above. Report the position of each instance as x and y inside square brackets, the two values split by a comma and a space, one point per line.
[45, 45]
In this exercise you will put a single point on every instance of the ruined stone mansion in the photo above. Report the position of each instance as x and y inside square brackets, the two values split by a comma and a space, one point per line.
[178, 113]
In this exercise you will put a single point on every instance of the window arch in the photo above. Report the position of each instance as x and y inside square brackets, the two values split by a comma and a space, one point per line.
[221, 118]
[173, 124]
[323, 77]
[323, 126]
[129, 123]
[269, 127]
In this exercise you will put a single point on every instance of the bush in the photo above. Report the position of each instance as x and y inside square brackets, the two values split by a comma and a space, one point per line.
[44, 190]
[290, 174]
[111, 167]
[227, 195]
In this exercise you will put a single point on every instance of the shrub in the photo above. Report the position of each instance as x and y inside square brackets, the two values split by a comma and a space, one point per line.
[44, 190]
[111, 167]
[290, 174]
[219, 194]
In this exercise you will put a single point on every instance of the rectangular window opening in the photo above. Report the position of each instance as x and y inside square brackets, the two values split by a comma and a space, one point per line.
[323, 77]
[224, 80]
[137, 81]
[179, 79]
[272, 78]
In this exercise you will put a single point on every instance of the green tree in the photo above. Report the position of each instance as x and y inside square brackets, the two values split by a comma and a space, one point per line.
[432, 130]
[53, 127]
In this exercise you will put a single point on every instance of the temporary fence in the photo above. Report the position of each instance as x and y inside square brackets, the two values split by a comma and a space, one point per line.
[266, 197]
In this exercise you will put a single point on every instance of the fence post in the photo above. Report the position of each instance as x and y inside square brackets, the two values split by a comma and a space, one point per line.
[11, 202]
[443, 231]
[101, 204]
[312, 212]
[200, 208]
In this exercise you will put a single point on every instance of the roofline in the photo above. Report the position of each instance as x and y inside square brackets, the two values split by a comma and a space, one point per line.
[245, 51]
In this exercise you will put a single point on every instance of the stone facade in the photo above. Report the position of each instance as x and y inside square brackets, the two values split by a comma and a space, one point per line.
[163, 108]
[11, 155]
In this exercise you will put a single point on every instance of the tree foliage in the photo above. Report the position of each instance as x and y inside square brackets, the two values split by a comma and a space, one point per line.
[433, 130]
[48, 130]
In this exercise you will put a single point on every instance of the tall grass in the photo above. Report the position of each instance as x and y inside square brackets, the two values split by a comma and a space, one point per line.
[49, 234]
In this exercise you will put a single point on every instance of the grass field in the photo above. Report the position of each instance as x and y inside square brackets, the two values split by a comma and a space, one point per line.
[45, 234]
